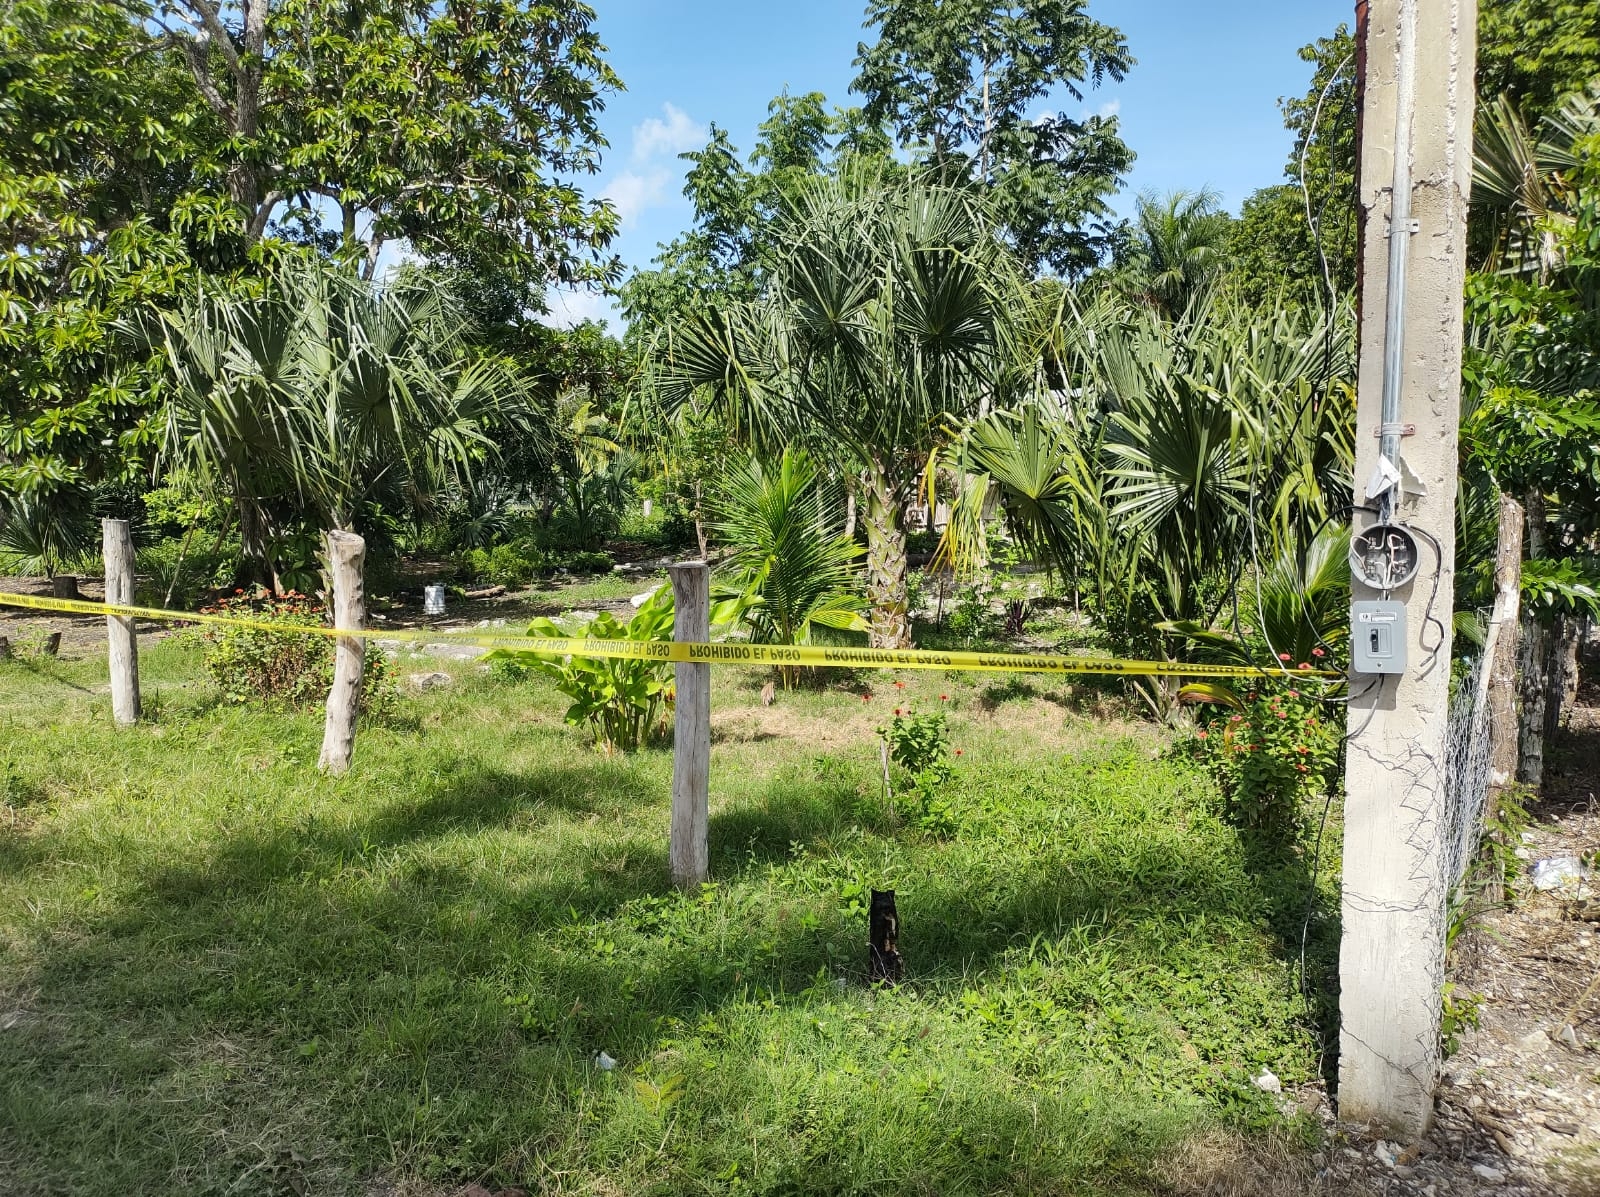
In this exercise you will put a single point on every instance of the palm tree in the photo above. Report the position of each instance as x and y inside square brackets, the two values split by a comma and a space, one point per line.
[883, 320]
[322, 392]
[787, 548]
[1526, 181]
[1179, 461]
[1179, 250]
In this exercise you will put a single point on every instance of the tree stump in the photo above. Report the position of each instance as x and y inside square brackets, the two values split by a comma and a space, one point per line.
[65, 586]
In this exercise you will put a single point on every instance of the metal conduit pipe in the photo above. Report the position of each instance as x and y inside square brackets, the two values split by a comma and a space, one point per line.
[1400, 230]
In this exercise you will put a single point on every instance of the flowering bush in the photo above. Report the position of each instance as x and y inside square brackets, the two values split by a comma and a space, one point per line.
[919, 744]
[295, 669]
[1275, 748]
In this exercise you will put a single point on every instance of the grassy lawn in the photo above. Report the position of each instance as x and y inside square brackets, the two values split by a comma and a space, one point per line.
[223, 973]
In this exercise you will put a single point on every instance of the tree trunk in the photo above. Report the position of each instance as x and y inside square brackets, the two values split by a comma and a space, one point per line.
[254, 566]
[1500, 682]
[700, 522]
[1562, 686]
[346, 554]
[886, 559]
[65, 586]
[1534, 664]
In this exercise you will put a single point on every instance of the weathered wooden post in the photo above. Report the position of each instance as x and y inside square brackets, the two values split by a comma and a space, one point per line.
[346, 554]
[691, 745]
[122, 638]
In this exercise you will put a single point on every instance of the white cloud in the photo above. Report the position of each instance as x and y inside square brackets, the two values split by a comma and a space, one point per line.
[631, 193]
[1110, 108]
[570, 308]
[655, 138]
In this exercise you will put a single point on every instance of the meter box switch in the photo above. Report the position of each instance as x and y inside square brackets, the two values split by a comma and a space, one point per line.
[1378, 636]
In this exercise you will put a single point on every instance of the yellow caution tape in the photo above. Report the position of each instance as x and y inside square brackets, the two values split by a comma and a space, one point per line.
[676, 651]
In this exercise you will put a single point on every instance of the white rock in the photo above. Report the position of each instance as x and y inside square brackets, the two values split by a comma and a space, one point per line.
[1568, 1036]
[1267, 1082]
[640, 600]
[604, 1062]
[1385, 1153]
[1483, 1172]
[1534, 1041]
[430, 681]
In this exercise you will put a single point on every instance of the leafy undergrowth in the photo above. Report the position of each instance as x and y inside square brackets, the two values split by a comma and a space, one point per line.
[222, 973]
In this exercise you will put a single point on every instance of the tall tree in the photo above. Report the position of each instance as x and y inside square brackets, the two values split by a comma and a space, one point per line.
[735, 206]
[958, 81]
[452, 125]
[1537, 51]
[883, 316]
[1299, 238]
[322, 393]
[1179, 248]
[101, 212]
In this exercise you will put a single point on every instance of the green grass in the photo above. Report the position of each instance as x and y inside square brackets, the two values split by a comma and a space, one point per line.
[223, 973]
[557, 596]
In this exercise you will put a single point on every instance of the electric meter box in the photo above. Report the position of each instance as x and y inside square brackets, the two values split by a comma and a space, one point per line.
[1378, 636]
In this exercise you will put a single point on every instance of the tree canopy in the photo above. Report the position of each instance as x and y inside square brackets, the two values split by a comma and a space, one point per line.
[958, 81]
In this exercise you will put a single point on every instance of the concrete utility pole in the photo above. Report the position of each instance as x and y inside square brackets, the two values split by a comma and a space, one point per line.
[1416, 160]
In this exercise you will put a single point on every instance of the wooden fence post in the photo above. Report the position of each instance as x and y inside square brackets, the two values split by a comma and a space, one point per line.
[122, 638]
[346, 554]
[691, 746]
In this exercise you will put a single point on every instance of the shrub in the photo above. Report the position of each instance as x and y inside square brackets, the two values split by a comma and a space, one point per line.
[582, 561]
[186, 575]
[285, 666]
[919, 744]
[1267, 752]
[623, 702]
[513, 564]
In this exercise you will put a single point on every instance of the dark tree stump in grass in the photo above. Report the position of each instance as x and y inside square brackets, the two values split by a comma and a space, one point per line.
[65, 586]
[883, 935]
[52, 644]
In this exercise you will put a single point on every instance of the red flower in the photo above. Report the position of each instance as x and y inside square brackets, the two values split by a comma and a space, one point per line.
[1302, 769]
[1283, 657]
[899, 685]
[958, 752]
[1294, 694]
[1200, 735]
[1281, 715]
[1303, 665]
[867, 697]
[1319, 652]
[897, 710]
[944, 698]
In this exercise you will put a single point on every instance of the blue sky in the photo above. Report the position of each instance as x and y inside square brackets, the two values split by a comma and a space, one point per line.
[1199, 109]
